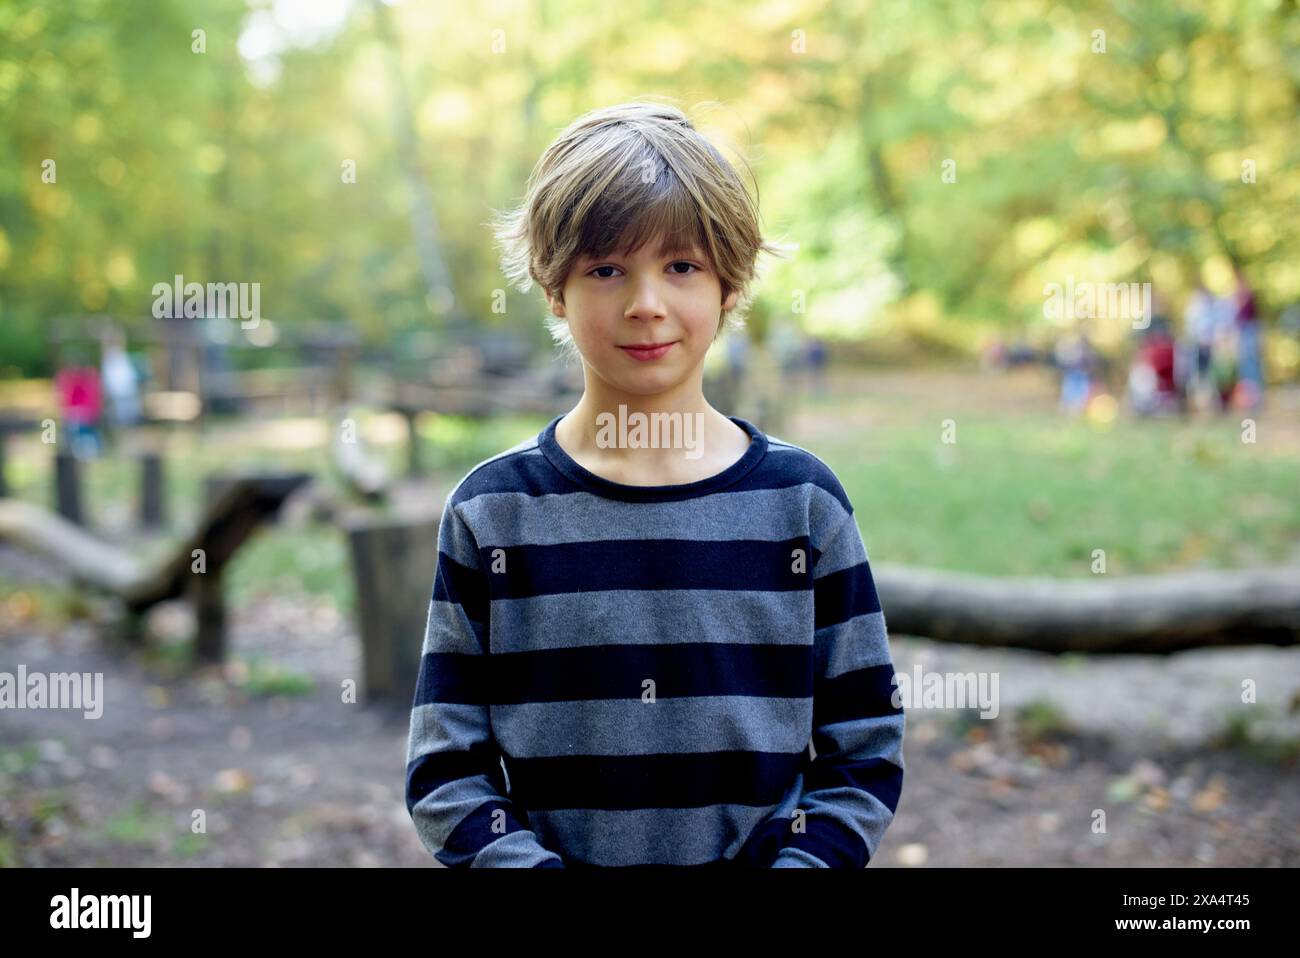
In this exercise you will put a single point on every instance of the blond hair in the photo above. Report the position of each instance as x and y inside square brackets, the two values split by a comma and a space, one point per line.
[615, 178]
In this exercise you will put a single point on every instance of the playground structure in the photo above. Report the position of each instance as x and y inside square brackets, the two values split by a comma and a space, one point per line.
[192, 568]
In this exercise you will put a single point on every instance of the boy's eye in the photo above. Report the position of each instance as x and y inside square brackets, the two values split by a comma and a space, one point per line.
[673, 266]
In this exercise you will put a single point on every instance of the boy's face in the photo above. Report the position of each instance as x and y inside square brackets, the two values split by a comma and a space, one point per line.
[625, 300]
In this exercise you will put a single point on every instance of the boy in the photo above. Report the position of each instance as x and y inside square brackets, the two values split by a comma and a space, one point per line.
[631, 643]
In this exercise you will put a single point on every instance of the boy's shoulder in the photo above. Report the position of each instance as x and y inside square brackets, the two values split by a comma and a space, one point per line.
[498, 473]
[796, 465]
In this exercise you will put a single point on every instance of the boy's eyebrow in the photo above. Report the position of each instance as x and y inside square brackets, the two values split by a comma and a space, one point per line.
[675, 251]
[682, 251]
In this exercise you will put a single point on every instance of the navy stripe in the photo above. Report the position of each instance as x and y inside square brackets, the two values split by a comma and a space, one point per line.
[837, 845]
[453, 677]
[430, 772]
[475, 832]
[678, 669]
[530, 473]
[465, 586]
[862, 693]
[663, 564]
[844, 595]
[880, 777]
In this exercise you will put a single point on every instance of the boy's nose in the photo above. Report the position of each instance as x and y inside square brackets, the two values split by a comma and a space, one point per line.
[647, 303]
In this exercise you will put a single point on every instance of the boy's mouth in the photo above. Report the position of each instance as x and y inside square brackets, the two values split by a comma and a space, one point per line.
[647, 351]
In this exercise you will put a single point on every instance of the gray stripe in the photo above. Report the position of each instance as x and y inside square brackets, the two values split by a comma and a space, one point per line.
[651, 617]
[516, 518]
[878, 736]
[455, 539]
[444, 726]
[515, 850]
[684, 836]
[844, 551]
[859, 643]
[448, 629]
[703, 723]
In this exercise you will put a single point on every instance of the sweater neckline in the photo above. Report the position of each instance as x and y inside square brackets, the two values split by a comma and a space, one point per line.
[601, 486]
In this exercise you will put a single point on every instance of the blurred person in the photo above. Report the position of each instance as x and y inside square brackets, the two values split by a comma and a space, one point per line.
[817, 357]
[1198, 326]
[1223, 356]
[738, 347]
[1153, 385]
[1075, 359]
[787, 349]
[1249, 368]
[80, 404]
[121, 381]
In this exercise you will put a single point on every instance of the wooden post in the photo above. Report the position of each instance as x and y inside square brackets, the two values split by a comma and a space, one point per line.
[209, 615]
[4, 483]
[67, 486]
[214, 485]
[414, 467]
[152, 505]
[393, 564]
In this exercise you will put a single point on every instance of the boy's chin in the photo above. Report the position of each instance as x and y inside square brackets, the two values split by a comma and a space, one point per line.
[646, 384]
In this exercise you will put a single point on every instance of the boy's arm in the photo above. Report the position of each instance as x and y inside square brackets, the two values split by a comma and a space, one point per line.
[455, 784]
[852, 787]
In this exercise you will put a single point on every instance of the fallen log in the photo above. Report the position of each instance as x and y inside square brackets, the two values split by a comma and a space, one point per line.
[1147, 614]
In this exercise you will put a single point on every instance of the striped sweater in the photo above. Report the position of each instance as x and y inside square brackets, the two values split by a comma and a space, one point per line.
[687, 675]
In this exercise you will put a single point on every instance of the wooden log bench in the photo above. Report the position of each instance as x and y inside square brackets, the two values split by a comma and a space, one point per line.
[193, 569]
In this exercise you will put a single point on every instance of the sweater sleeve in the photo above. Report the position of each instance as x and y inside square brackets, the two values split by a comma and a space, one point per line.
[852, 786]
[456, 791]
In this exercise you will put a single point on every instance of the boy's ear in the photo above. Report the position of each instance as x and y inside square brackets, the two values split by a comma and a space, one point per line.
[554, 303]
[730, 301]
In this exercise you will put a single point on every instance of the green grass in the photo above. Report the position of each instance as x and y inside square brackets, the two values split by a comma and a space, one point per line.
[312, 559]
[265, 679]
[16, 761]
[135, 825]
[452, 445]
[1036, 496]
[1041, 721]
[1246, 734]
[187, 846]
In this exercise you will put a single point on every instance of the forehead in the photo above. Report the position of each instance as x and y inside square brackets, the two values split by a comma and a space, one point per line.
[650, 250]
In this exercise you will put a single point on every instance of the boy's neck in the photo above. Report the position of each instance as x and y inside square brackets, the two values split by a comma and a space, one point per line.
[716, 441]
